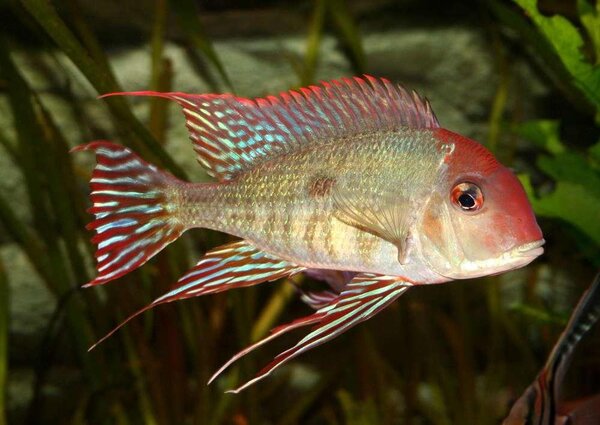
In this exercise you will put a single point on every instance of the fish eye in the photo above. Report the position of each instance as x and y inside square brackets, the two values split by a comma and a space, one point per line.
[467, 196]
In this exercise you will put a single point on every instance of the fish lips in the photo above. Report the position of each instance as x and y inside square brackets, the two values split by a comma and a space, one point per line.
[512, 259]
[530, 249]
[523, 255]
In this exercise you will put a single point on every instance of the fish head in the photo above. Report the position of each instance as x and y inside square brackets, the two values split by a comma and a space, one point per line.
[478, 221]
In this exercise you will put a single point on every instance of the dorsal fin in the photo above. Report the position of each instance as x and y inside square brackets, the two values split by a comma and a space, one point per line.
[232, 134]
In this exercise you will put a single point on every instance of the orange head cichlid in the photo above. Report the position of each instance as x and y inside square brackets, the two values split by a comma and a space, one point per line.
[354, 175]
[541, 403]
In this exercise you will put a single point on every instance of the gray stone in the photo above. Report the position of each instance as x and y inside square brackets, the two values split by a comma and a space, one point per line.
[31, 304]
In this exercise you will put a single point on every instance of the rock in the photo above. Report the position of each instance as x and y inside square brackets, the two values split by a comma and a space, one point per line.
[31, 305]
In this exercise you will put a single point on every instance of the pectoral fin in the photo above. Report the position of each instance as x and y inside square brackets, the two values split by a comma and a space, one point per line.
[384, 213]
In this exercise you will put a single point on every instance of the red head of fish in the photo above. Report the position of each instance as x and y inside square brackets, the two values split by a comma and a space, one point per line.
[480, 221]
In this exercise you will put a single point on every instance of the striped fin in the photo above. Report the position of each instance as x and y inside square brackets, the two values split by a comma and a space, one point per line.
[233, 134]
[585, 315]
[318, 300]
[541, 401]
[234, 265]
[363, 297]
[583, 318]
[278, 331]
[133, 214]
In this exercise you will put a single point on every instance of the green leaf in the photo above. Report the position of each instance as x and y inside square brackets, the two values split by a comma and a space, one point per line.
[567, 43]
[570, 202]
[187, 13]
[590, 19]
[540, 49]
[348, 34]
[544, 133]
[573, 203]
[313, 43]
[573, 168]
[98, 73]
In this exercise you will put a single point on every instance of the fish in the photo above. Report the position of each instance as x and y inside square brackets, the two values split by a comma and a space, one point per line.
[354, 175]
[541, 402]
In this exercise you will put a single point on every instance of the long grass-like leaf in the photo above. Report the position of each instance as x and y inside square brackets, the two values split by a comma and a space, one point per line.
[28, 240]
[348, 34]
[159, 108]
[33, 245]
[145, 404]
[28, 137]
[157, 41]
[39, 142]
[101, 78]
[313, 42]
[48, 204]
[10, 148]
[187, 14]
[272, 310]
[161, 75]
[88, 38]
[500, 98]
[4, 322]
[68, 206]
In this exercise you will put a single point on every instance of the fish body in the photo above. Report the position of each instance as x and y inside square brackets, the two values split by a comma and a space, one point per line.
[541, 403]
[287, 207]
[355, 176]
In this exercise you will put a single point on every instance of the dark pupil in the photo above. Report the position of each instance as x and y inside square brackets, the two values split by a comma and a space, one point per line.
[466, 201]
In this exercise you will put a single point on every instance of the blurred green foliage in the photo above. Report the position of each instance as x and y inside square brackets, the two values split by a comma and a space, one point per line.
[576, 195]
[568, 44]
[457, 355]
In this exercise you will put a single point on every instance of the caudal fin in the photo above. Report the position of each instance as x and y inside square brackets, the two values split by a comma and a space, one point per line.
[133, 206]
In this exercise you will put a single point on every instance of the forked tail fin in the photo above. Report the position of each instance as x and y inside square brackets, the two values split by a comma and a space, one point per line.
[134, 209]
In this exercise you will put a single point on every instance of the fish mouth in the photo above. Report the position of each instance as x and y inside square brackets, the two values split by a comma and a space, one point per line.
[530, 249]
[511, 259]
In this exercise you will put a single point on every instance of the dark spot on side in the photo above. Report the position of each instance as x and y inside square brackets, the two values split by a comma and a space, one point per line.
[320, 186]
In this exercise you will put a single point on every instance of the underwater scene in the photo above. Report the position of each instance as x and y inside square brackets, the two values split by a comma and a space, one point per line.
[312, 212]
